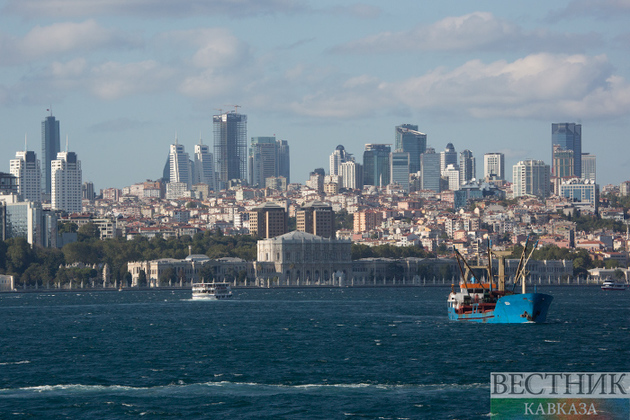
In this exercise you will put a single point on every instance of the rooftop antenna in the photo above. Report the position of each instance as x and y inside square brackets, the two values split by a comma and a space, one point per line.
[176, 143]
[200, 139]
[66, 143]
[25, 149]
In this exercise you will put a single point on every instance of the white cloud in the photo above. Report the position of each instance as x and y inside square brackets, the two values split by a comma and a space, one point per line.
[114, 80]
[150, 8]
[593, 8]
[478, 30]
[59, 38]
[536, 86]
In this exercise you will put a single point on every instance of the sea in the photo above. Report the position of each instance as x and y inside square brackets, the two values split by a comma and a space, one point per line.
[316, 353]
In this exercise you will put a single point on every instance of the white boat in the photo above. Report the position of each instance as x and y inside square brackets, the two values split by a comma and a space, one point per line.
[613, 285]
[211, 291]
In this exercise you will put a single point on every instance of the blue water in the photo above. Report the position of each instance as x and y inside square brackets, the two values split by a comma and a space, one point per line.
[285, 354]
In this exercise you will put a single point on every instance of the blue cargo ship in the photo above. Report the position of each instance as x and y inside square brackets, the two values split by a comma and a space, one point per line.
[491, 303]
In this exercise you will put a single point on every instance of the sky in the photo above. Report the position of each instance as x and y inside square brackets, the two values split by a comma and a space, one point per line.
[126, 77]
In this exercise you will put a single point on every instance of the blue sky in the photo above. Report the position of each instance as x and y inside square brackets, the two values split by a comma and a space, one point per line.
[125, 77]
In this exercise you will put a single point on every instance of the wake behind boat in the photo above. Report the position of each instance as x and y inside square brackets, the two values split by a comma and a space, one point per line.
[485, 302]
[211, 291]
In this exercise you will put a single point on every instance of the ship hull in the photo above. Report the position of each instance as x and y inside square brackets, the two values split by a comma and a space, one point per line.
[511, 309]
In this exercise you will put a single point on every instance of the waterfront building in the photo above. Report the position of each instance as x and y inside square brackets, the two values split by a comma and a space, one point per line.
[51, 146]
[409, 140]
[230, 147]
[569, 137]
[66, 183]
[268, 220]
[301, 258]
[531, 177]
[376, 165]
[448, 157]
[180, 168]
[317, 218]
[352, 175]
[26, 168]
[494, 166]
[467, 167]
[589, 167]
[27, 219]
[583, 193]
[204, 166]
[430, 170]
[399, 169]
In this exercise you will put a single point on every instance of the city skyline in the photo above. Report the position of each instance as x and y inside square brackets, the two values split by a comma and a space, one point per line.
[122, 77]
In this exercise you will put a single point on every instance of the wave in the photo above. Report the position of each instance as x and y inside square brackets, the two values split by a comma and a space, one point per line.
[21, 362]
[231, 386]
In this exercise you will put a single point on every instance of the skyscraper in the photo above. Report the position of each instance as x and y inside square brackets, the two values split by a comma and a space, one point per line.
[352, 175]
[230, 146]
[410, 140]
[50, 147]
[467, 167]
[284, 160]
[563, 162]
[430, 170]
[66, 183]
[399, 169]
[180, 165]
[338, 157]
[376, 164]
[263, 160]
[531, 177]
[204, 166]
[448, 157]
[494, 166]
[589, 167]
[569, 137]
[26, 168]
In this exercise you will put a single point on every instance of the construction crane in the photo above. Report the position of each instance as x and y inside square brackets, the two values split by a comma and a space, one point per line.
[236, 107]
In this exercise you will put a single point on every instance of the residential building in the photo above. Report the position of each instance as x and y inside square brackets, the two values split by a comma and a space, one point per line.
[317, 218]
[181, 170]
[338, 157]
[409, 140]
[230, 147]
[268, 220]
[50, 148]
[66, 183]
[452, 174]
[26, 168]
[366, 220]
[352, 175]
[376, 165]
[569, 137]
[531, 177]
[87, 190]
[589, 167]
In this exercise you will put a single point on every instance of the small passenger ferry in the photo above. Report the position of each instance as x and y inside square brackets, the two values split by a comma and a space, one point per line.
[613, 285]
[211, 291]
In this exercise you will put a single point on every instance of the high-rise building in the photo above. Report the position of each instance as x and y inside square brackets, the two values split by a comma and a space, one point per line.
[26, 168]
[583, 193]
[316, 180]
[352, 175]
[589, 168]
[430, 170]
[87, 190]
[376, 165]
[8, 184]
[410, 140]
[531, 177]
[494, 166]
[467, 167]
[448, 157]
[181, 170]
[27, 220]
[230, 147]
[338, 157]
[268, 221]
[66, 183]
[284, 160]
[399, 169]
[451, 173]
[50, 147]
[563, 162]
[569, 137]
[204, 166]
[263, 160]
[317, 218]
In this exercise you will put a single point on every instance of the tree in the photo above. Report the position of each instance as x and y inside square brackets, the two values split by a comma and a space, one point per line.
[19, 256]
[88, 231]
[142, 279]
[167, 276]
